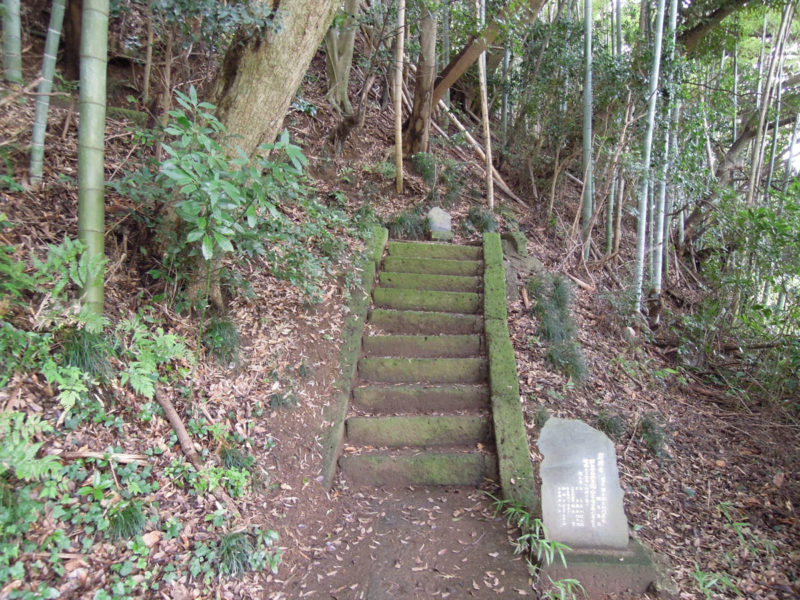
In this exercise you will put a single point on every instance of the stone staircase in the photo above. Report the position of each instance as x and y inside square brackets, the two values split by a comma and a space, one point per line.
[420, 409]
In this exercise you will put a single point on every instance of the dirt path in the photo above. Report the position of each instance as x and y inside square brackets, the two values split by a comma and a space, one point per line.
[417, 543]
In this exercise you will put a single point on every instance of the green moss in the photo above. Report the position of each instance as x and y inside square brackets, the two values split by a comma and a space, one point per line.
[433, 266]
[513, 454]
[420, 469]
[494, 292]
[403, 299]
[428, 250]
[418, 430]
[518, 242]
[492, 249]
[432, 370]
[407, 321]
[502, 364]
[377, 243]
[134, 116]
[422, 346]
[419, 281]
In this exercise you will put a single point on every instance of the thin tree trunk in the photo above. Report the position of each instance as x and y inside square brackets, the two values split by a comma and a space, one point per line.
[618, 214]
[648, 145]
[504, 111]
[735, 88]
[588, 167]
[398, 94]
[790, 158]
[446, 48]
[45, 87]
[759, 141]
[148, 58]
[675, 116]
[91, 142]
[610, 212]
[339, 45]
[12, 42]
[419, 125]
[487, 133]
[774, 148]
[661, 196]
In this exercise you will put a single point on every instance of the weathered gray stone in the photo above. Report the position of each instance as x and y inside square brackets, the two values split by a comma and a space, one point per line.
[440, 223]
[581, 497]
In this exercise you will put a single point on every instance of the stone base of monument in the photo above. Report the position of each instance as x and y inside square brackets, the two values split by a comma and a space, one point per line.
[625, 573]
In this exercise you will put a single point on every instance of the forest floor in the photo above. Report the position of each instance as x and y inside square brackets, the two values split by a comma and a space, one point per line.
[711, 478]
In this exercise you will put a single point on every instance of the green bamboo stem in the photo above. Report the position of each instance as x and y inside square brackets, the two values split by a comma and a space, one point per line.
[12, 43]
[91, 139]
[45, 86]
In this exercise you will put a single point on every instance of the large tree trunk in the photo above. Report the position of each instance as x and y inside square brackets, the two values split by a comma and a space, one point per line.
[419, 126]
[260, 75]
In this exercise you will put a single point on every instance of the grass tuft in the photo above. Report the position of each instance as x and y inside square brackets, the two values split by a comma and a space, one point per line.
[612, 424]
[126, 520]
[234, 553]
[408, 226]
[478, 221]
[652, 433]
[221, 339]
[89, 352]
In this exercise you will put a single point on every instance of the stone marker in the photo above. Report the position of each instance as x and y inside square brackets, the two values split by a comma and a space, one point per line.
[440, 223]
[581, 497]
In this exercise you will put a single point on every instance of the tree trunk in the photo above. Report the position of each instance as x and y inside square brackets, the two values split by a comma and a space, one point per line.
[661, 196]
[260, 75]
[487, 132]
[419, 126]
[398, 94]
[588, 167]
[529, 9]
[91, 143]
[12, 43]
[641, 230]
[339, 44]
[46, 85]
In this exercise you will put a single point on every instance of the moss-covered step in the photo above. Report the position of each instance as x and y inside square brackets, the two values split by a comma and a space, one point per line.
[432, 266]
[425, 370]
[418, 322]
[421, 398]
[428, 250]
[440, 430]
[421, 281]
[423, 346]
[429, 468]
[452, 302]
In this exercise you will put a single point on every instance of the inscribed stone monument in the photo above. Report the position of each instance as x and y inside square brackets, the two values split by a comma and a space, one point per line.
[440, 223]
[581, 497]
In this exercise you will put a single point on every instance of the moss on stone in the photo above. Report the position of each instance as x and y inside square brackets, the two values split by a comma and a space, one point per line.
[428, 468]
[442, 283]
[494, 292]
[421, 398]
[427, 250]
[434, 266]
[492, 249]
[518, 242]
[377, 243]
[423, 346]
[409, 299]
[513, 453]
[439, 430]
[503, 378]
[431, 370]
[408, 321]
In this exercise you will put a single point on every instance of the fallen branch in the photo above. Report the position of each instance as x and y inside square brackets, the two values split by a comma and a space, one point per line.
[187, 446]
[139, 459]
[583, 284]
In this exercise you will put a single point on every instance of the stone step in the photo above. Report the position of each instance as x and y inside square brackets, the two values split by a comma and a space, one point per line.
[429, 250]
[420, 398]
[419, 431]
[420, 281]
[424, 370]
[432, 266]
[451, 302]
[428, 468]
[417, 322]
[423, 346]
